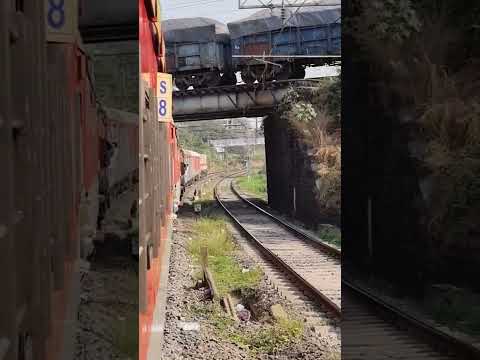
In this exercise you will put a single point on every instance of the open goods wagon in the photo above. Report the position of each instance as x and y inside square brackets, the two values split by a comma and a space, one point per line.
[198, 51]
[308, 32]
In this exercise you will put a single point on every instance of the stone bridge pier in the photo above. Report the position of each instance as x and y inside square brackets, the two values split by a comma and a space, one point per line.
[291, 181]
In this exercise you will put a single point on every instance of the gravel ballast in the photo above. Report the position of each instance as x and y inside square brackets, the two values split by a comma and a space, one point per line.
[187, 304]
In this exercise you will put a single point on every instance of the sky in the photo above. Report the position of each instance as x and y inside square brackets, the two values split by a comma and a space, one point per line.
[221, 10]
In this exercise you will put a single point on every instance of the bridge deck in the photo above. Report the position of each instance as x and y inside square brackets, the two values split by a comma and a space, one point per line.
[253, 100]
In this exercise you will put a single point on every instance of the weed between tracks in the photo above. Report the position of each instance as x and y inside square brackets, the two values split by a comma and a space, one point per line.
[214, 234]
[258, 337]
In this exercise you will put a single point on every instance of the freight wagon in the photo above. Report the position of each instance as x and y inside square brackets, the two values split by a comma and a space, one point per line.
[198, 52]
[272, 49]
[121, 135]
[191, 166]
[50, 152]
[203, 164]
[159, 173]
[202, 52]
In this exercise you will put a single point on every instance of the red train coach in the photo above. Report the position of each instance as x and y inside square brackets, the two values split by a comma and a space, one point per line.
[158, 172]
[49, 131]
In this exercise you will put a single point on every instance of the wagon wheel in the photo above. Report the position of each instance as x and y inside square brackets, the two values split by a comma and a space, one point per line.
[229, 79]
[181, 83]
[182, 86]
[248, 78]
[210, 79]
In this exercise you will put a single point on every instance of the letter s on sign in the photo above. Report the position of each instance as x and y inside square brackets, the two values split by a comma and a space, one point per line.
[163, 87]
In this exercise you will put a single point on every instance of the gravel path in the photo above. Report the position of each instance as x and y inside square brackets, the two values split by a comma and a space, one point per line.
[207, 343]
[109, 289]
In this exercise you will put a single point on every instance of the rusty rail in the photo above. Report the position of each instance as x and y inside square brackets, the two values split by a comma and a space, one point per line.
[316, 295]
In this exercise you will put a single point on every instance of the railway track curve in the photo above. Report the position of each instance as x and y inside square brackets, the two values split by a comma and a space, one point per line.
[316, 270]
[371, 327]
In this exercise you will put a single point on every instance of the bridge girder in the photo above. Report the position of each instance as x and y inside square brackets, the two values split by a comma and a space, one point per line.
[235, 101]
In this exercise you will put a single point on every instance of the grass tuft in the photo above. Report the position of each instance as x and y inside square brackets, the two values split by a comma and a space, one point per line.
[271, 338]
[331, 235]
[256, 184]
[214, 234]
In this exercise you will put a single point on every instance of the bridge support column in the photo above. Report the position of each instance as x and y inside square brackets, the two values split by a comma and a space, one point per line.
[291, 181]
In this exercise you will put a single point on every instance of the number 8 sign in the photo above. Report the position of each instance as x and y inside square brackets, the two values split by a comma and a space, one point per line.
[164, 96]
[61, 20]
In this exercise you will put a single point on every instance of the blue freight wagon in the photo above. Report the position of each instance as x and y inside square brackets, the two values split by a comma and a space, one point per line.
[198, 52]
[274, 48]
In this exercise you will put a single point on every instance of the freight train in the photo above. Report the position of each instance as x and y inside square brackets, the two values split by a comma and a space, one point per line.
[164, 172]
[272, 44]
[193, 167]
[159, 173]
[61, 154]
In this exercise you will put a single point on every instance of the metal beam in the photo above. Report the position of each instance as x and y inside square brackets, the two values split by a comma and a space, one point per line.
[288, 56]
[272, 4]
[235, 101]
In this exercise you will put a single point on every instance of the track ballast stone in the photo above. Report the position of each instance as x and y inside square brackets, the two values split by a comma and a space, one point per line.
[207, 342]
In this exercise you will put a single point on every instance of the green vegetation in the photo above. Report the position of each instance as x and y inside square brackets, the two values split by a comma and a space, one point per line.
[458, 309]
[331, 235]
[314, 116]
[214, 234]
[256, 184]
[268, 338]
[426, 55]
[191, 141]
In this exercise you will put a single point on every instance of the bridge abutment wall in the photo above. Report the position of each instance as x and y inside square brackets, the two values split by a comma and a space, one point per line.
[291, 181]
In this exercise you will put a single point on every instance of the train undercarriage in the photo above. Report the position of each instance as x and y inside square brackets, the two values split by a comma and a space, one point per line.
[204, 79]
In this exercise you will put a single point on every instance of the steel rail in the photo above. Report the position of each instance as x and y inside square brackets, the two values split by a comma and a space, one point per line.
[433, 336]
[427, 332]
[322, 245]
[318, 297]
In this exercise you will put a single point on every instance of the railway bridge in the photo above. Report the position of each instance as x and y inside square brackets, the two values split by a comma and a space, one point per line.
[254, 100]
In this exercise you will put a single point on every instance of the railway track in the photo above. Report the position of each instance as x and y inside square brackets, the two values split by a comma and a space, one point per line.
[315, 268]
[371, 328]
